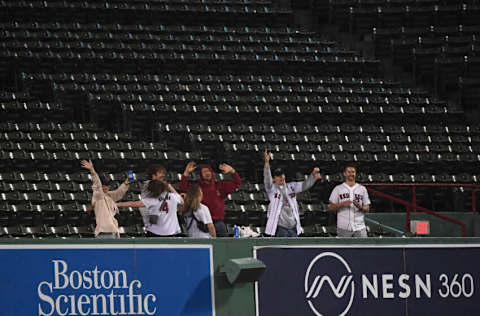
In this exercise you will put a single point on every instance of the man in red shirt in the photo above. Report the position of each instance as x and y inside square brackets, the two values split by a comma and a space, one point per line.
[214, 193]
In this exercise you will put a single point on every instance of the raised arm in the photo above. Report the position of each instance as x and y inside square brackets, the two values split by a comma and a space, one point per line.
[96, 184]
[267, 173]
[171, 189]
[227, 187]
[311, 179]
[120, 191]
[184, 180]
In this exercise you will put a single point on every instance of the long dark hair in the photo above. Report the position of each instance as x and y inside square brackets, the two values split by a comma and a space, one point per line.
[155, 188]
[192, 199]
[153, 169]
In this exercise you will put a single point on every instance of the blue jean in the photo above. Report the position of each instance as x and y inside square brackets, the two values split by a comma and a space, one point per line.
[220, 228]
[285, 232]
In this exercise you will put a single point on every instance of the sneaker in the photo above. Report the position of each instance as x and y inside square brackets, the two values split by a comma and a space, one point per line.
[243, 232]
[246, 231]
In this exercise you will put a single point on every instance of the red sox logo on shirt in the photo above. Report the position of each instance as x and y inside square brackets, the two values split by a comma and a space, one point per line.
[356, 197]
[278, 196]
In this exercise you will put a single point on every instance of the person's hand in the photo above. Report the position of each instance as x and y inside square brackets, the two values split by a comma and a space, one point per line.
[316, 173]
[266, 155]
[226, 168]
[190, 167]
[357, 205]
[87, 164]
[127, 181]
[347, 202]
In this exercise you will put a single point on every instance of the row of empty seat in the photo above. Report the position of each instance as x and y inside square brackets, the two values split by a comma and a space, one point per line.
[138, 231]
[225, 79]
[168, 6]
[159, 82]
[159, 33]
[169, 28]
[363, 20]
[437, 42]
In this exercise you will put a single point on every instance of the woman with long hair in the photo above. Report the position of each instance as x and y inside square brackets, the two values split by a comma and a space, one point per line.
[197, 216]
[158, 207]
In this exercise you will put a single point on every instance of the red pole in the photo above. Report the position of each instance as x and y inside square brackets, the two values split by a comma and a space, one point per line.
[414, 198]
[407, 224]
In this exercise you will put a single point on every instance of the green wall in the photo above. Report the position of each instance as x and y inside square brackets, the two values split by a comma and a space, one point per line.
[438, 227]
[239, 300]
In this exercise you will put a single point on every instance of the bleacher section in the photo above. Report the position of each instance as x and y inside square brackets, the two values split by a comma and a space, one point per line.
[436, 40]
[129, 83]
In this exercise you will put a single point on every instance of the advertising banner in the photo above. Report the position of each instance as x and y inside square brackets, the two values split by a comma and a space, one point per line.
[49, 280]
[394, 281]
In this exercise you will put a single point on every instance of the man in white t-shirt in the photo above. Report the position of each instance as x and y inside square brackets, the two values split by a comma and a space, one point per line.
[350, 200]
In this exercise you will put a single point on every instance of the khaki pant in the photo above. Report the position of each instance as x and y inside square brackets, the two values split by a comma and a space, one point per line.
[348, 233]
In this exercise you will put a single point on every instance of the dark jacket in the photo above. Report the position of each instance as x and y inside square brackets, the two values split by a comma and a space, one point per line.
[214, 193]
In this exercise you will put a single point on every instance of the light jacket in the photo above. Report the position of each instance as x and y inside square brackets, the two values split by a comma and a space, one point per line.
[105, 207]
[276, 200]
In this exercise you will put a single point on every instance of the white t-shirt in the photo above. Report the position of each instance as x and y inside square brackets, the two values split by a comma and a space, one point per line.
[167, 224]
[202, 214]
[349, 217]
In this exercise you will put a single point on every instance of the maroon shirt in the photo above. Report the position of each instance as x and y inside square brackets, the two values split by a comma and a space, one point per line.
[214, 193]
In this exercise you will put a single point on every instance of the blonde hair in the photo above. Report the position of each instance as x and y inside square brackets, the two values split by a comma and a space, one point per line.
[192, 199]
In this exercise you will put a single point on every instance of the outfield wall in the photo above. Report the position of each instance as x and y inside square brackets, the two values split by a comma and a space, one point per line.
[176, 276]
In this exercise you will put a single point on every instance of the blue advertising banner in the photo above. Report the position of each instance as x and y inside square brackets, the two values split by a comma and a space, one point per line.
[49, 280]
[394, 281]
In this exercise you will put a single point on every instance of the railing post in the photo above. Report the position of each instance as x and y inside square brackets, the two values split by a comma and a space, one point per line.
[407, 224]
[414, 198]
[474, 200]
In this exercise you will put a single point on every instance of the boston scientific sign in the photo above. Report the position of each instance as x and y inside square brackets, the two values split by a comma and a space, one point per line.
[103, 279]
[369, 280]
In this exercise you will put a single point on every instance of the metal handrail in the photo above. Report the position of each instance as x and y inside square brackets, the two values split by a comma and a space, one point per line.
[412, 206]
[414, 186]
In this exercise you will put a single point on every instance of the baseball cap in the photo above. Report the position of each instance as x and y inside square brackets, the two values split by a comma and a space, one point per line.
[278, 172]
[105, 180]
